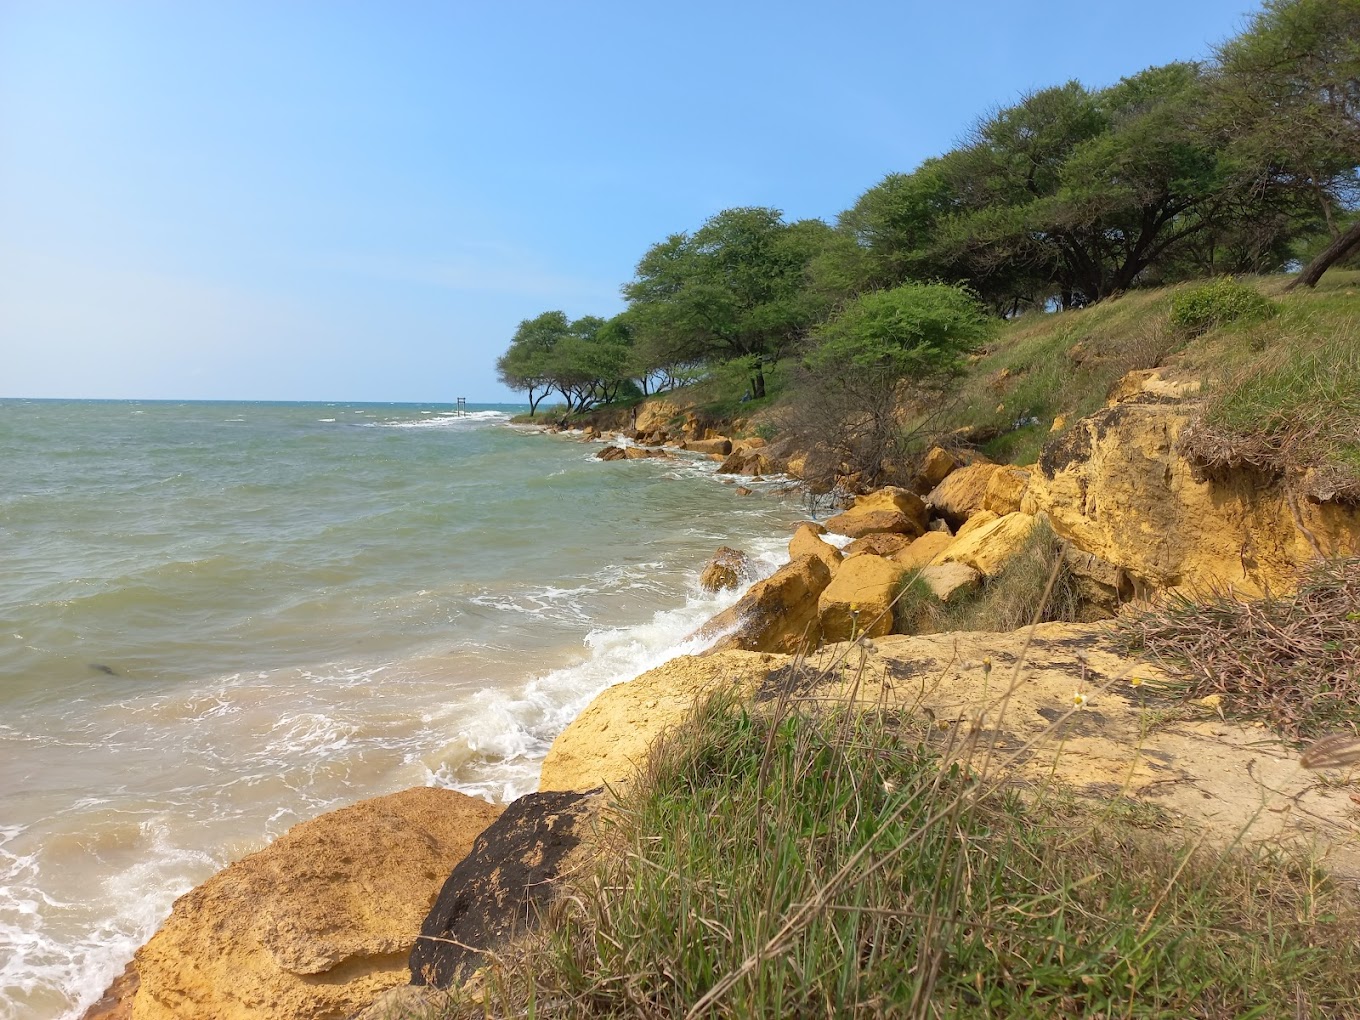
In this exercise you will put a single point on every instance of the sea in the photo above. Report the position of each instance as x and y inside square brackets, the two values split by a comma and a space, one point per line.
[218, 620]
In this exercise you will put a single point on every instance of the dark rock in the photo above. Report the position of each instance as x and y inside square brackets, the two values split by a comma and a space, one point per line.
[502, 886]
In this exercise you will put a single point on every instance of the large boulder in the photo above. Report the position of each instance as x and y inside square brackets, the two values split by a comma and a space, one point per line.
[608, 741]
[778, 614]
[721, 445]
[1116, 486]
[656, 414]
[988, 548]
[727, 569]
[924, 550]
[316, 924]
[950, 582]
[612, 453]
[858, 601]
[892, 497]
[806, 541]
[880, 543]
[887, 511]
[1005, 490]
[962, 492]
[937, 464]
[747, 462]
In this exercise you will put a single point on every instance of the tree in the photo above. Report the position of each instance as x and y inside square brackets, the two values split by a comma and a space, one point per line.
[848, 412]
[527, 364]
[735, 288]
[1079, 192]
[1289, 90]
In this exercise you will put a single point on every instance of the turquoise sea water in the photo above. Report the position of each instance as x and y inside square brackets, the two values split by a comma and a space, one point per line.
[220, 619]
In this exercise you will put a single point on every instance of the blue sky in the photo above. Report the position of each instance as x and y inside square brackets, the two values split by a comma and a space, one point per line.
[360, 201]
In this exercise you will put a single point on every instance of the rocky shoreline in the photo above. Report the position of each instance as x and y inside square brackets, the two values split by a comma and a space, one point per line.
[412, 889]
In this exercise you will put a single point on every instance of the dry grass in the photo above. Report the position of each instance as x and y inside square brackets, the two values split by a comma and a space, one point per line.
[1292, 661]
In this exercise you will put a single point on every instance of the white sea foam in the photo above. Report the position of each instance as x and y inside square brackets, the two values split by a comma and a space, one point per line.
[504, 735]
[446, 419]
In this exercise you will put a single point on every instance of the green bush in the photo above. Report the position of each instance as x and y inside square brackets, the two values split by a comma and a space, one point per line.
[1217, 303]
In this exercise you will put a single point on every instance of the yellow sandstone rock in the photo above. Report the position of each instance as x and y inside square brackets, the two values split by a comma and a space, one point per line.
[806, 542]
[962, 492]
[937, 464]
[1115, 485]
[923, 551]
[858, 601]
[316, 924]
[892, 497]
[1005, 490]
[989, 548]
[605, 743]
[778, 614]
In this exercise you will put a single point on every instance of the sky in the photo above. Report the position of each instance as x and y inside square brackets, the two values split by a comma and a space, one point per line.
[360, 201]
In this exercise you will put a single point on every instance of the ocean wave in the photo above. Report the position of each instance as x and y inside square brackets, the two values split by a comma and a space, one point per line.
[444, 420]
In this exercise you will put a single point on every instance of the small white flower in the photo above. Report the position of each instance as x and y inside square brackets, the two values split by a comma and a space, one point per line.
[1078, 699]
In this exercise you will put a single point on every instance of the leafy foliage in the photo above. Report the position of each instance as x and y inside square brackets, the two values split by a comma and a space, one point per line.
[1224, 300]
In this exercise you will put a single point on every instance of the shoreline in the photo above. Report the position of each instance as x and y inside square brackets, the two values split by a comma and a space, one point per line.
[115, 1000]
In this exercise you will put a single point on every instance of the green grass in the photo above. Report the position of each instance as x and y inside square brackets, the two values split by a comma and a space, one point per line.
[782, 864]
[1046, 365]
[1284, 394]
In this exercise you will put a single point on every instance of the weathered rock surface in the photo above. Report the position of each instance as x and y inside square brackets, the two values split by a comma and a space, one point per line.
[778, 614]
[962, 492]
[858, 601]
[606, 743]
[892, 497]
[726, 569]
[611, 453]
[316, 924]
[1115, 485]
[747, 462]
[989, 548]
[116, 1002]
[858, 522]
[502, 886]
[721, 445]
[1013, 693]
[950, 582]
[937, 463]
[884, 543]
[1005, 490]
[806, 542]
[638, 453]
[923, 550]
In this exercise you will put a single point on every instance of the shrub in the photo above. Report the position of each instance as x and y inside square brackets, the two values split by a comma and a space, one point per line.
[1217, 303]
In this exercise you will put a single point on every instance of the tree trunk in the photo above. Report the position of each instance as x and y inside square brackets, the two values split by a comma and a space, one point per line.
[533, 404]
[758, 382]
[1334, 252]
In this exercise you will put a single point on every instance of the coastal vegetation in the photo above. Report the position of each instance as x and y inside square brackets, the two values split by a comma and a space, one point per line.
[799, 859]
[1066, 199]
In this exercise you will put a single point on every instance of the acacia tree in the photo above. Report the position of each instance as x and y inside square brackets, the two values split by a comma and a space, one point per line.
[1289, 90]
[1080, 192]
[527, 363]
[734, 289]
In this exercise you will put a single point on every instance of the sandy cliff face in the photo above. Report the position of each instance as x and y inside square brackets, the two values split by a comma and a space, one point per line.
[1118, 489]
[316, 924]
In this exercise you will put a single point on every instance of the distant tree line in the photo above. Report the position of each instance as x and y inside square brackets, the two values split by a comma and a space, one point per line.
[1246, 164]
